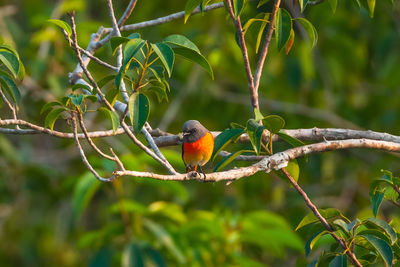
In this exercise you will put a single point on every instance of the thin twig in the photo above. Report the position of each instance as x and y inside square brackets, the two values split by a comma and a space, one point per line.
[10, 106]
[267, 41]
[324, 222]
[83, 156]
[165, 19]
[127, 13]
[83, 66]
[90, 141]
[252, 90]
[116, 32]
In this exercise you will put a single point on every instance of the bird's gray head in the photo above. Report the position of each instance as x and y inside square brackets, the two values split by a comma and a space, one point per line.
[193, 131]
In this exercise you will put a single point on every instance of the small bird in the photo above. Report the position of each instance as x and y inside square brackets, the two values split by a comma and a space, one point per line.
[197, 147]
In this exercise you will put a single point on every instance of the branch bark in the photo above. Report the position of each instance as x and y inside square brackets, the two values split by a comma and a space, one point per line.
[324, 222]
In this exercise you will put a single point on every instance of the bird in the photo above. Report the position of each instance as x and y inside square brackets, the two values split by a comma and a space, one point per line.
[197, 147]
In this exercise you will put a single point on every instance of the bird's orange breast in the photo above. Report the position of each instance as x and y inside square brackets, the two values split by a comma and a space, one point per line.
[199, 152]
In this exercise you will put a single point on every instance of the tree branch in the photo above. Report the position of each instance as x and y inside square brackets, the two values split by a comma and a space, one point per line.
[83, 66]
[274, 162]
[324, 222]
[252, 90]
[162, 20]
[264, 50]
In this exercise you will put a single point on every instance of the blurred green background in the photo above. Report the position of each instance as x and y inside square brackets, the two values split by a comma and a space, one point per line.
[53, 212]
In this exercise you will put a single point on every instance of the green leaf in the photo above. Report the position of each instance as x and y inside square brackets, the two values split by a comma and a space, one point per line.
[333, 4]
[289, 139]
[155, 256]
[224, 138]
[255, 131]
[293, 169]
[236, 125]
[130, 49]
[112, 95]
[310, 29]
[283, 27]
[83, 192]
[290, 42]
[81, 86]
[182, 41]
[257, 115]
[189, 7]
[61, 24]
[92, 98]
[261, 31]
[312, 240]
[381, 224]
[262, 2]
[116, 41]
[105, 80]
[273, 123]
[10, 60]
[238, 7]
[376, 200]
[326, 213]
[113, 117]
[165, 239]
[339, 261]
[49, 105]
[11, 88]
[52, 117]
[371, 7]
[139, 109]
[374, 232]
[223, 163]
[166, 54]
[132, 256]
[382, 247]
[196, 58]
[76, 99]
[303, 4]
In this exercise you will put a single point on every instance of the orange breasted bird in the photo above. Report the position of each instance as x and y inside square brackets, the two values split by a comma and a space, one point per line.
[198, 145]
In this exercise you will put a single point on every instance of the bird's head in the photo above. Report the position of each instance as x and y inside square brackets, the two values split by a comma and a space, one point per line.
[192, 131]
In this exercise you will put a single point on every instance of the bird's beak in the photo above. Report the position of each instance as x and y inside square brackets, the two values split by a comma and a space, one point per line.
[185, 133]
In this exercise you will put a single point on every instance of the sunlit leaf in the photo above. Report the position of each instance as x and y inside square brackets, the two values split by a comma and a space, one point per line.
[283, 27]
[238, 7]
[225, 138]
[381, 224]
[312, 240]
[62, 25]
[382, 247]
[52, 117]
[139, 110]
[224, 162]
[273, 123]
[371, 7]
[303, 4]
[310, 29]
[166, 55]
[189, 7]
[112, 116]
[195, 57]
[326, 213]
[182, 41]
